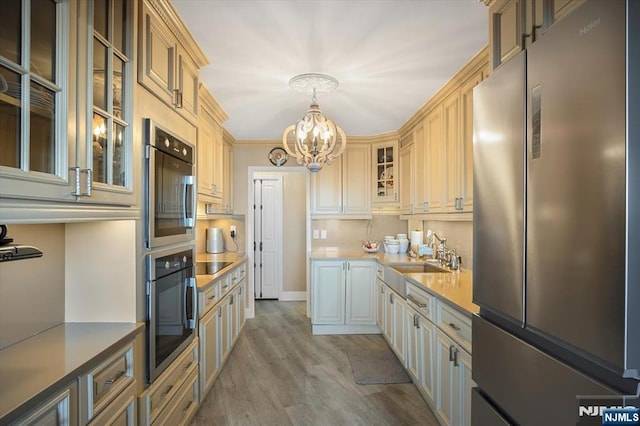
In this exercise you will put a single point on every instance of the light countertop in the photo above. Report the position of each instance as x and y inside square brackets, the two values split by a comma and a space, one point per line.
[40, 365]
[204, 280]
[454, 287]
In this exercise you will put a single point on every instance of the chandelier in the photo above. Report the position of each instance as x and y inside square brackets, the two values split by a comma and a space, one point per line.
[317, 139]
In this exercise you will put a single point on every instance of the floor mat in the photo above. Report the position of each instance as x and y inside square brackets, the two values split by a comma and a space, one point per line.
[377, 367]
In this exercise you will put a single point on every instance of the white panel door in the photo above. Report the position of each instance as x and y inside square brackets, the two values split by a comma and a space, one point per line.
[268, 236]
[427, 339]
[360, 292]
[413, 355]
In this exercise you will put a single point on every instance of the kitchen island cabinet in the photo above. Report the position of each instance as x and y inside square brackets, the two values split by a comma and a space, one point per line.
[343, 299]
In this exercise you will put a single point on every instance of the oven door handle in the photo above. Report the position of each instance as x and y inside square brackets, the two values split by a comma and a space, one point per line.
[190, 283]
[188, 201]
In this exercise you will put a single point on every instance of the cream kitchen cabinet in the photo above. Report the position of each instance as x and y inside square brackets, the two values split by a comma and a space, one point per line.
[385, 174]
[458, 147]
[454, 381]
[343, 299]
[60, 409]
[209, 334]
[343, 189]
[420, 352]
[407, 163]
[516, 24]
[433, 161]
[169, 59]
[161, 399]
[75, 150]
[380, 304]
[453, 364]
[394, 330]
[210, 149]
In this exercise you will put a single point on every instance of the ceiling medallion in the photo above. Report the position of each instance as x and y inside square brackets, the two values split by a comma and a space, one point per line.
[317, 139]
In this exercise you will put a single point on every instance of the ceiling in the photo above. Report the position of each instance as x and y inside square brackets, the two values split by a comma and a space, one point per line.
[390, 57]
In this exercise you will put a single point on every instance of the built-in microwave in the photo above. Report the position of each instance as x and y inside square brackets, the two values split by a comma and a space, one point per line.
[170, 195]
[171, 306]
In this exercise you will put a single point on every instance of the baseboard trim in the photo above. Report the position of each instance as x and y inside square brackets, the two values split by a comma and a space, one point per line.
[320, 329]
[293, 296]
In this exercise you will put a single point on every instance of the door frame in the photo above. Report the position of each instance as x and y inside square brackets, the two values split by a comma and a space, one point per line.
[254, 172]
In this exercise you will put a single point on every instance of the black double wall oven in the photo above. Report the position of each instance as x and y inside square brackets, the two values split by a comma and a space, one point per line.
[169, 222]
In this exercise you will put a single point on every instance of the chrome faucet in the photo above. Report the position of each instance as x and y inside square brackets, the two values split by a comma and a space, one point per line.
[441, 250]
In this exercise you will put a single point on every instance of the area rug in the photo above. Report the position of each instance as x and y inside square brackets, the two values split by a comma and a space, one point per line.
[377, 367]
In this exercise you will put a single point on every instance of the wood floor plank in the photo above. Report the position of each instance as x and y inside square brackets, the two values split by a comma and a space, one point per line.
[280, 374]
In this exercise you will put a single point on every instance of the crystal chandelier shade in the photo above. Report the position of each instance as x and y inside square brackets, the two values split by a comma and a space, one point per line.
[318, 140]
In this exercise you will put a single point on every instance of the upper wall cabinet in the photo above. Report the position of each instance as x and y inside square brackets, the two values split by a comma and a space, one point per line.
[343, 189]
[65, 120]
[215, 157]
[385, 178]
[169, 58]
[441, 181]
[516, 24]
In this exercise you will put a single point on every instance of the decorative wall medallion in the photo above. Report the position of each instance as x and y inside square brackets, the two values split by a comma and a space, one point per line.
[278, 156]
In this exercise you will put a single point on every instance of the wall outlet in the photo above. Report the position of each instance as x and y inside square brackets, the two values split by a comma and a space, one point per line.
[233, 231]
[316, 234]
[323, 234]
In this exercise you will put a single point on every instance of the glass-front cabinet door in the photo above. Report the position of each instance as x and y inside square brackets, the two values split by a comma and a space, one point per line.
[34, 90]
[385, 164]
[65, 102]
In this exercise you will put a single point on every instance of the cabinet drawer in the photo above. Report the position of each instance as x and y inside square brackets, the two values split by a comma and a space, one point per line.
[109, 379]
[208, 298]
[225, 285]
[455, 324]
[166, 387]
[421, 301]
[234, 277]
[121, 412]
[180, 410]
[242, 271]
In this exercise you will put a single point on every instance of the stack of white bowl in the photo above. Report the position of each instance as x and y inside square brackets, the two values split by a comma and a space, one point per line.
[404, 243]
[391, 245]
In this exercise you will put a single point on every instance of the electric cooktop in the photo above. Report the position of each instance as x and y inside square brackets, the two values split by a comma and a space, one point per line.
[210, 268]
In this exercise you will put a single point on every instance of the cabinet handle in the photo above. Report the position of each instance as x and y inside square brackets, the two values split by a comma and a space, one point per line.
[186, 367]
[211, 297]
[76, 181]
[231, 300]
[89, 181]
[416, 302]
[381, 290]
[166, 391]
[451, 353]
[391, 298]
[455, 357]
[186, 407]
[114, 378]
[225, 286]
[455, 327]
[219, 312]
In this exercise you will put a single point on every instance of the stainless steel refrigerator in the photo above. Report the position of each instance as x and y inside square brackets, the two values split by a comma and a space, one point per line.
[557, 224]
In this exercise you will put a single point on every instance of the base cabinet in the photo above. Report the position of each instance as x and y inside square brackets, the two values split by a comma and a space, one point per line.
[454, 381]
[343, 299]
[57, 410]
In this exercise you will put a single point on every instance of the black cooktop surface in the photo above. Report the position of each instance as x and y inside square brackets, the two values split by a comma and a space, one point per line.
[210, 268]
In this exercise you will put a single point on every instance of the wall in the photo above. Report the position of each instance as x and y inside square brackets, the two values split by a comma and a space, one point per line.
[32, 290]
[459, 237]
[252, 154]
[349, 234]
[239, 244]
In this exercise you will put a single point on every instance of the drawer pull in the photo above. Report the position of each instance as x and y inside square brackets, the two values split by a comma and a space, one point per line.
[451, 353]
[166, 391]
[211, 297]
[416, 302]
[186, 367]
[114, 378]
[225, 286]
[455, 327]
[187, 406]
[455, 358]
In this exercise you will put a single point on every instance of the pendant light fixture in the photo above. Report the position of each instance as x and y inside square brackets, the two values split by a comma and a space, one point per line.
[317, 139]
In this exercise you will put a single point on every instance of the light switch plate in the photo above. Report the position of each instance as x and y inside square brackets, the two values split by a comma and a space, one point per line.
[323, 234]
[316, 234]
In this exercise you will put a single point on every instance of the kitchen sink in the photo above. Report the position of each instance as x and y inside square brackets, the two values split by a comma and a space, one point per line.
[423, 267]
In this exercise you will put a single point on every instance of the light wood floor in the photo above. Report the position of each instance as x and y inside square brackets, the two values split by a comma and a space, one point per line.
[279, 374]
